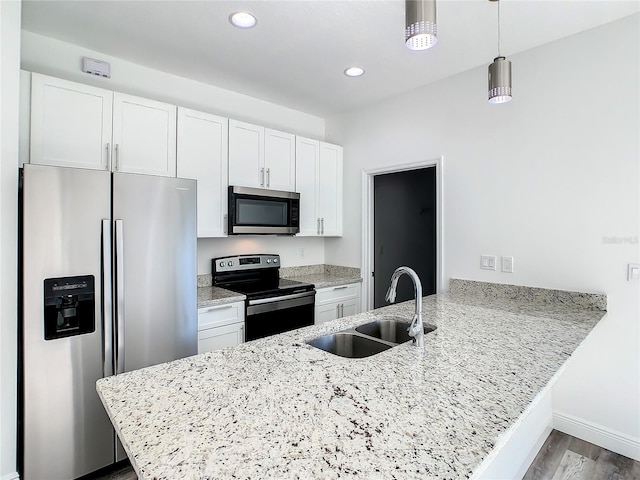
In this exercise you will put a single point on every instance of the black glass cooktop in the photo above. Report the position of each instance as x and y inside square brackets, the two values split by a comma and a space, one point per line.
[256, 289]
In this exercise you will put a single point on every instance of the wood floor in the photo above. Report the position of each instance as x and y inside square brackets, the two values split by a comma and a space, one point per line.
[562, 457]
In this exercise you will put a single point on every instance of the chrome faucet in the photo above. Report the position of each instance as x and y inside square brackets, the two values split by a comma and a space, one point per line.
[416, 329]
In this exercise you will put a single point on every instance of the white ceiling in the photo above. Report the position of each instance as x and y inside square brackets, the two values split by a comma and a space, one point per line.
[296, 54]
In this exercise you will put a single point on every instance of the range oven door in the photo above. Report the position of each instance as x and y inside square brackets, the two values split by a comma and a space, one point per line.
[269, 316]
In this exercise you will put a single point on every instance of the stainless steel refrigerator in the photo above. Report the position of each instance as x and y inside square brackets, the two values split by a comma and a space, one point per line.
[109, 285]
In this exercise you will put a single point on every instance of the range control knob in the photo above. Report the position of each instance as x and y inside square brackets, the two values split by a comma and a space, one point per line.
[222, 264]
[230, 263]
[268, 260]
[275, 260]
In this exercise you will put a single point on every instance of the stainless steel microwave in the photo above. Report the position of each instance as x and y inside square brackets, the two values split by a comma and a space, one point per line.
[258, 211]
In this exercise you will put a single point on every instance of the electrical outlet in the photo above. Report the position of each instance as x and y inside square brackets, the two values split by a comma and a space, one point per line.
[488, 262]
[633, 271]
[302, 253]
[507, 264]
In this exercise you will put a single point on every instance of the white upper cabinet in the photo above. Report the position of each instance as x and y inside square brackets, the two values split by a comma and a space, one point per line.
[261, 157]
[330, 189]
[246, 154]
[307, 158]
[144, 136]
[319, 181]
[280, 160]
[70, 124]
[202, 156]
[76, 125]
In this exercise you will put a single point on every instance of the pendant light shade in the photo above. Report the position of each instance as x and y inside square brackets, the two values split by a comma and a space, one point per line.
[499, 73]
[420, 26]
[500, 80]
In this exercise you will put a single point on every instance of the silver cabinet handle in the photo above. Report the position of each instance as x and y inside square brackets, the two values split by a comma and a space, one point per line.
[120, 317]
[338, 311]
[225, 227]
[262, 177]
[116, 151]
[341, 288]
[318, 226]
[108, 156]
[242, 333]
[107, 300]
[342, 310]
[219, 307]
[268, 177]
[322, 225]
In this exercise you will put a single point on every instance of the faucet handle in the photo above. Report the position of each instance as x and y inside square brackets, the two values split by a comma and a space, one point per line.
[414, 328]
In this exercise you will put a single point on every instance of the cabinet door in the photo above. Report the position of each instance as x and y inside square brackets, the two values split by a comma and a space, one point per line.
[326, 313]
[70, 123]
[202, 155]
[307, 157]
[330, 189]
[144, 136]
[350, 307]
[220, 337]
[246, 155]
[280, 160]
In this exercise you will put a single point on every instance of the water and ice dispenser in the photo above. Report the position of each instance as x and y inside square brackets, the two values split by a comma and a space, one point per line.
[69, 306]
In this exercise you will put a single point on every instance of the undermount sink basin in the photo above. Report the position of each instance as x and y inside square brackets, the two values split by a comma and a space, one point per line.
[348, 345]
[391, 329]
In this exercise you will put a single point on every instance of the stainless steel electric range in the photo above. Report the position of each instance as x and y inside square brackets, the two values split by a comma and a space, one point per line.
[274, 304]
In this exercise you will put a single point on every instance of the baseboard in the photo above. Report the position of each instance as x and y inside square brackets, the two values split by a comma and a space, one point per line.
[11, 476]
[598, 435]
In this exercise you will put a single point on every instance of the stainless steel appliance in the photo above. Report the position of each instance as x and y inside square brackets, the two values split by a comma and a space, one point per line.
[108, 285]
[258, 211]
[274, 304]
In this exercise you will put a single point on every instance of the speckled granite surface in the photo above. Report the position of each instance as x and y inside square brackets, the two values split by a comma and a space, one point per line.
[279, 408]
[590, 301]
[210, 296]
[322, 276]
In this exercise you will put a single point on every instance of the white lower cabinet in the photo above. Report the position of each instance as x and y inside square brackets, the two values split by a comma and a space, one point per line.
[337, 302]
[220, 326]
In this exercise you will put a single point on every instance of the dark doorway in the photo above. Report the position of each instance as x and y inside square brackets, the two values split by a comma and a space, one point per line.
[404, 231]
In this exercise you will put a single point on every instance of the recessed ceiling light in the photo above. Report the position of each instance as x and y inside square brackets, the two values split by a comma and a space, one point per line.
[354, 71]
[242, 20]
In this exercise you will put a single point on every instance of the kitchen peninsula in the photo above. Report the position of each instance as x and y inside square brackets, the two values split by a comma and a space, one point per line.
[279, 408]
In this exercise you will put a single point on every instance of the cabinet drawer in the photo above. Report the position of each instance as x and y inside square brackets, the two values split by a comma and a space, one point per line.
[337, 294]
[220, 315]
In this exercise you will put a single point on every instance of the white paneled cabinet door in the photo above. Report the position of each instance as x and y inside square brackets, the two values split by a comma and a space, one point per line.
[330, 190]
[280, 160]
[202, 156]
[70, 123]
[246, 155]
[220, 337]
[144, 136]
[307, 157]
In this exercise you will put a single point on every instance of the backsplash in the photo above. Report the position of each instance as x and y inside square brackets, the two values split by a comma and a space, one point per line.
[589, 301]
[206, 280]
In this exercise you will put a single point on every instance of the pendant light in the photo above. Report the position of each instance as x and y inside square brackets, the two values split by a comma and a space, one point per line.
[420, 25]
[499, 74]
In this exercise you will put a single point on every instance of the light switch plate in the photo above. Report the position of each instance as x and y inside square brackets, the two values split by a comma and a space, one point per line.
[488, 262]
[507, 264]
[633, 271]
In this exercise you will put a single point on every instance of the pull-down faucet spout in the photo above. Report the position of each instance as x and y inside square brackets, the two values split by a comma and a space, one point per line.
[416, 329]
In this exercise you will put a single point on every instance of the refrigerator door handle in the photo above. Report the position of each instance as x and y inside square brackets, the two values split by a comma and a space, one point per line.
[119, 295]
[107, 300]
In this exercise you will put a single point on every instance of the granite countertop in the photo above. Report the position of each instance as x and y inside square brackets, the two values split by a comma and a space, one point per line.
[322, 280]
[279, 408]
[211, 296]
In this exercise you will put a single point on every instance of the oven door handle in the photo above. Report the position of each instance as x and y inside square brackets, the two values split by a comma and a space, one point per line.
[262, 301]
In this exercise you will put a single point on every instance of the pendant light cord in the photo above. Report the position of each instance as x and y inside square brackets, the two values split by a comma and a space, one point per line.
[499, 54]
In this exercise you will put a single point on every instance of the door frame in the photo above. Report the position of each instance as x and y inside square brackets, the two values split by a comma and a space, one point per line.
[367, 223]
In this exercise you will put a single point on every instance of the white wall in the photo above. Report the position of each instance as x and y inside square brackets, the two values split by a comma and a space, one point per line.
[9, 88]
[548, 179]
[52, 57]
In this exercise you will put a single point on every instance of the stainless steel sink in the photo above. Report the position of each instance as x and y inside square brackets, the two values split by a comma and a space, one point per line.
[391, 329]
[349, 345]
